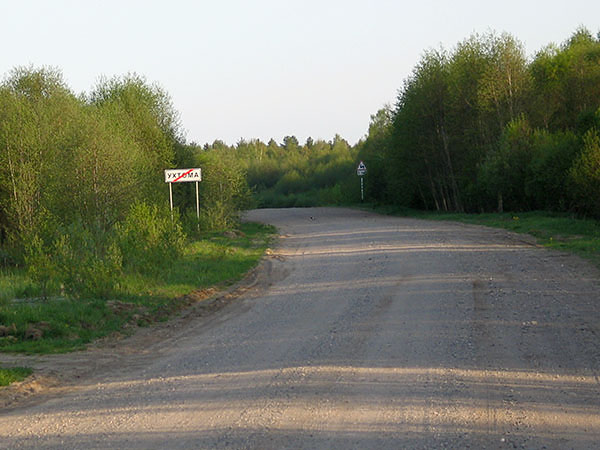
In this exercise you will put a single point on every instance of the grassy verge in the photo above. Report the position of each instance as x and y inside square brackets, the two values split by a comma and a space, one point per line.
[8, 376]
[553, 230]
[32, 325]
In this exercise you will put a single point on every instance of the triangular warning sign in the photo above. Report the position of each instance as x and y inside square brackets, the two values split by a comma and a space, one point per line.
[361, 169]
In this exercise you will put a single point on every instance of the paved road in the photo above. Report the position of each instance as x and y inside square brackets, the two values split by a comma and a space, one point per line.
[370, 332]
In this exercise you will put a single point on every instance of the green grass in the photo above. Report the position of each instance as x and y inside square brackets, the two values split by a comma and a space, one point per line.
[8, 376]
[70, 324]
[14, 284]
[214, 260]
[554, 230]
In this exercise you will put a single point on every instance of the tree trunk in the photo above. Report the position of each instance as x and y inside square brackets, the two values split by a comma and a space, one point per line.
[455, 198]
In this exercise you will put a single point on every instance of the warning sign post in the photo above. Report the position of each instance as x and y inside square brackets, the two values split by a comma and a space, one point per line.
[361, 171]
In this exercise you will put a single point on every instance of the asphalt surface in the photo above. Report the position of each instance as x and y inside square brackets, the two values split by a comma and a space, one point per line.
[366, 332]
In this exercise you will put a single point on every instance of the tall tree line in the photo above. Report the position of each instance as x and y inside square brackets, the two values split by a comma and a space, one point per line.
[77, 170]
[290, 174]
[483, 128]
[82, 193]
[65, 157]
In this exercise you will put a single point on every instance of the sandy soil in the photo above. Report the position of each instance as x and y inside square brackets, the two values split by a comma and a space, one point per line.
[358, 331]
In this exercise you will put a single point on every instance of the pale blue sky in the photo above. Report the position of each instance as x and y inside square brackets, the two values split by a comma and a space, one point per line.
[266, 68]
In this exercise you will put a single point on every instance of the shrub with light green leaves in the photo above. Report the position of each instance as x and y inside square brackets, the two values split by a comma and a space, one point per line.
[78, 262]
[42, 267]
[150, 238]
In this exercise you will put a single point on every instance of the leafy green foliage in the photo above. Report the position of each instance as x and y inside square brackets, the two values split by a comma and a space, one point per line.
[482, 128]
[149, 239]
[90, 264]
[14, 283]
[143, 116]
[37, 113]
[41, 267]
[76, 262]
[290, 174]
[8, 376]
[80, 181]
[80, 159]
[585, 174]
[224, 190]
[61, 324]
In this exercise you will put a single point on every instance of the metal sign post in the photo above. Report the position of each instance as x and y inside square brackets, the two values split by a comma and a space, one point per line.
[362, 189]
[171, 199]
[198, 205]
[184, 176]
[361, 170]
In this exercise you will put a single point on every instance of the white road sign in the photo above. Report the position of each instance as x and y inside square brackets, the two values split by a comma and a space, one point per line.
[361, 169]
[183, 175]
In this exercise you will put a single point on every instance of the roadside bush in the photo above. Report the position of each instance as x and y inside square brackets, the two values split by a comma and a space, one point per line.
[149, 238]
[223, 191]
[331, 196]
[505, 171]
[216, 216]
[553, 155]
[42, 268]
[77, 262]
[84, 263]
[269, 199]
[290, 183]
[585, 175]
[85, 271]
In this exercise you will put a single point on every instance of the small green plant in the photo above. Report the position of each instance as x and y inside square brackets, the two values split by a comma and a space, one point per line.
[42, 268]
[78, 262]
[8, 376]
[99, 275]
[149, 238]
[14, 283]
